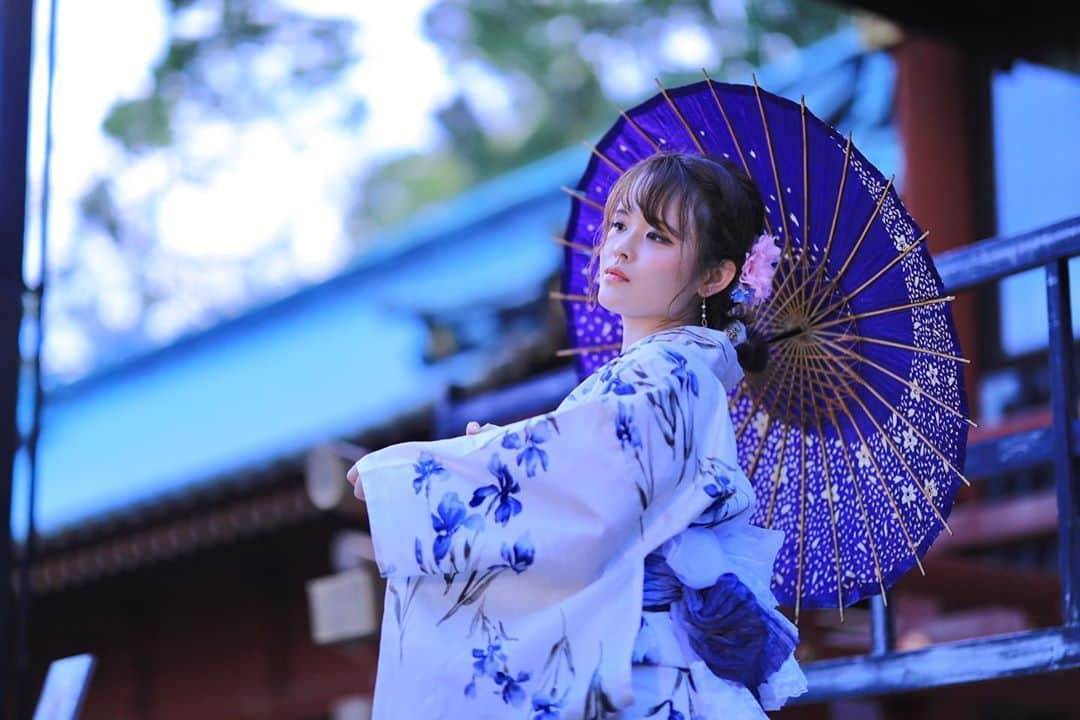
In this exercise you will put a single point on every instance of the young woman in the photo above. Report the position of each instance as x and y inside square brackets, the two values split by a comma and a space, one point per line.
[598, 561]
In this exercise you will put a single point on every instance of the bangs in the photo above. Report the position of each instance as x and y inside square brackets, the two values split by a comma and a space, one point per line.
[659, 188]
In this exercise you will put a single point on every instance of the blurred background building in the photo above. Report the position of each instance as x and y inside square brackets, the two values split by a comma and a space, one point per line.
[281, 231]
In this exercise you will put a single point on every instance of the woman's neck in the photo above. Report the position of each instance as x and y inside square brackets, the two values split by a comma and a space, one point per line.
[636, 328]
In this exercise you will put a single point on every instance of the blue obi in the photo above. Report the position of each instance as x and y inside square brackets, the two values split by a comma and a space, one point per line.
[736, 637]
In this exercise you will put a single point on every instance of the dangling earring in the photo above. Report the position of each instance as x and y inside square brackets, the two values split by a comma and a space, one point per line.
[704, 323]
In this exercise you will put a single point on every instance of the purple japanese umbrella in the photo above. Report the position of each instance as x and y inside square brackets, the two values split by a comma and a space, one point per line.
[854, 437]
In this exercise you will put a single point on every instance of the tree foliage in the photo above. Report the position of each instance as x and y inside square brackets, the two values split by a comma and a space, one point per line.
[561, 65]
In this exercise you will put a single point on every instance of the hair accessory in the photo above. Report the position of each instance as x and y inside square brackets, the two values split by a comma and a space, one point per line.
[736, 332]
[755, 281]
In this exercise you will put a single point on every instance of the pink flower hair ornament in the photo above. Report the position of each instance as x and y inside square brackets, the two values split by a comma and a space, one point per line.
[755, 281]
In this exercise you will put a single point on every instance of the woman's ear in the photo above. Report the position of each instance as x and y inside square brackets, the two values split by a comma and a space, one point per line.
[718, 278]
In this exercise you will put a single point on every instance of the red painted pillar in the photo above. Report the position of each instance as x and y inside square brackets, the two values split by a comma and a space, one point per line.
[944, 121]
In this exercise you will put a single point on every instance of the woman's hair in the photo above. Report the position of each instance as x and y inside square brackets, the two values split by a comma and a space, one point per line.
[720, 213]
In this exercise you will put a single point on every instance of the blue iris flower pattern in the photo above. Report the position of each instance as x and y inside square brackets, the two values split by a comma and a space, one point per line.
[545, 706]
[625, 428]
[499, 496]
[531, 453]
[687, 378]
[449, 517]
[615, 384]
[488, 662]
[717, 484]
[512, 692]
[426, 467]
[519, 557]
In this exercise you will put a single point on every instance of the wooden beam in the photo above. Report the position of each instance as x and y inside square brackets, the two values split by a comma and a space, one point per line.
[966, 582]
[988, 524]
[915, 632]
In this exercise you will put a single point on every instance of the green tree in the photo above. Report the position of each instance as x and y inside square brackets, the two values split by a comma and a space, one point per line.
[226, 66]
[560, 65]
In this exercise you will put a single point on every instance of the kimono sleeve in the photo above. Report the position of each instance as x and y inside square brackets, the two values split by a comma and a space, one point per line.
[561, 495]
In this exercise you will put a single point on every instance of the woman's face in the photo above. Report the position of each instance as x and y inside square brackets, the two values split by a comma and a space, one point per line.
[656, 265]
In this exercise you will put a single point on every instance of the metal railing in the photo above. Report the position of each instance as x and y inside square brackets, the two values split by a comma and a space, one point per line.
[1025, 653]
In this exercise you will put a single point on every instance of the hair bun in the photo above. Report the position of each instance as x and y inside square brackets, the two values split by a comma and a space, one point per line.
[753, 353]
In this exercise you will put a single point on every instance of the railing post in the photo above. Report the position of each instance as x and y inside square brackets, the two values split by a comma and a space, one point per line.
[1063, 408]
[882, 630]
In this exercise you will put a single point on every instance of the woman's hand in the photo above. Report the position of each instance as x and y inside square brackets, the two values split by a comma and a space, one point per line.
[353, 476]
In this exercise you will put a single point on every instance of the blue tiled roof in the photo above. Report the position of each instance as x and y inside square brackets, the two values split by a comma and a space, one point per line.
[346, 356]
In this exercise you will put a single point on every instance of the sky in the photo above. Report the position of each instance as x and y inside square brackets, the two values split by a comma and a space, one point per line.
[267, 183]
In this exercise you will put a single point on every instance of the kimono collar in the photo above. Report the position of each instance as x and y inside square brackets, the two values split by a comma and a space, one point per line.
[714, 347]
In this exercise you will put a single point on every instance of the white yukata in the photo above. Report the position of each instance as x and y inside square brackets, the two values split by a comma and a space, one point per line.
[591, 562]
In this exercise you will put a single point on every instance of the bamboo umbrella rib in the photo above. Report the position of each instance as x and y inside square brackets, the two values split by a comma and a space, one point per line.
[772, 161]
[572, 245]
[804, 256]
[682, 119]
[854, 248]
[884, 485]
[862, 510]
[585, 349]
[893, 409]
[596, 151]
[756, 403]
[788, 239]
[727, 122]
[761, 395]
[821, 268]
[762, 441]
[790, 397]
[768, 428]
[781, 355]
[626, 116]
[786, 296]
[842, 381]
[880, 368]
[832, 515]
[556, 295]
[740, 392]
[582, 197]
[892, 344]
[802, 372]
[826, 390]
[776, 477]
[781, 290]
[858, 358]
[872, 279]
[884, 311]
[892, 446]
[731, 132]
[789, 368]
